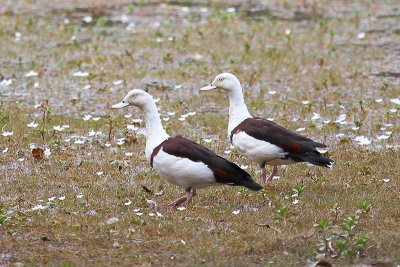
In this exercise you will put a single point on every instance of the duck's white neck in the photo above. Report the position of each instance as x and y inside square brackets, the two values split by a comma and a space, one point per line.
[155, 133]
[238, 111]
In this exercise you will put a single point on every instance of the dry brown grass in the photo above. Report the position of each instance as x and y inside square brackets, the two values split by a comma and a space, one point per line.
[321, 61]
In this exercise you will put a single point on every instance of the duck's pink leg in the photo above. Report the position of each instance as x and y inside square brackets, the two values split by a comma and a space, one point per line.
[274, 172]
[189, 196]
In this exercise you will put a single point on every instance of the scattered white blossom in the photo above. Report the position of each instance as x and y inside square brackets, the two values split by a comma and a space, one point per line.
[181, 208]
[47, 152]
[383, 137]
[120, 141]
[96, 118]
[127, 202]
[39, 207]
[79, 141]
[230, 10]
[61, 198]
[99, 173]
[131, 127]
[6, 134]
[32, 124]
[80, 74]
[300, 129]
[236, 212]
[128, 154]
[118, 82]
[87, 117]
[87, 19]
[361, 35]
[112, 220]
[31, 74]
[17, 36]
[316, 116]
[362, 140]
[6, 82]
[395, 101]
[288, 31]
[79, 196]
[137, 120]
[341, 119]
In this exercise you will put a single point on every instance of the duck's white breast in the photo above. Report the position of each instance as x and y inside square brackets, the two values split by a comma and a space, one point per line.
[183, 172]
[256, 150]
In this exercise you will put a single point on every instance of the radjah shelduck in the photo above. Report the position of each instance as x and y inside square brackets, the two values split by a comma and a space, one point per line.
[261, 140]
[181, 161]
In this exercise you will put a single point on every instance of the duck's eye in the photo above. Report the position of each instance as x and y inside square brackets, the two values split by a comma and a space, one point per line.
[221, 79]
[123, 101]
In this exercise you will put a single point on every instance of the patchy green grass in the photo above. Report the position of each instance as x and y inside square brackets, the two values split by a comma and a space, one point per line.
[94, 200]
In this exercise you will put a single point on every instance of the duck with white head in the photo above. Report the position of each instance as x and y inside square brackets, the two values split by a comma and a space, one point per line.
[181, 161]
[261, 140]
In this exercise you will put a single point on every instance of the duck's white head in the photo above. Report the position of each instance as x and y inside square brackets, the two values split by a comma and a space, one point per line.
[135, 97]
[225, 81]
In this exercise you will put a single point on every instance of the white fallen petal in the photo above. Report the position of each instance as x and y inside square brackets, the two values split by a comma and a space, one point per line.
[362, 140]
[31, 74]
[395, 101]
[236, 212]
[118, 82]
[127, 202]
[58, 128]
[86, 117]
[87, 19]
[80, 74]
[300, 129]
[316, 116]
[47, 152]
[6, 134]
[383, 137]
[181, 208]
[361, 35]
[32, 125]
[112, 220]
[341, 118]
[79, 142]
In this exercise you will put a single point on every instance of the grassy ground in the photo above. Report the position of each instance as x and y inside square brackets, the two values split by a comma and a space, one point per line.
[85, 204]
